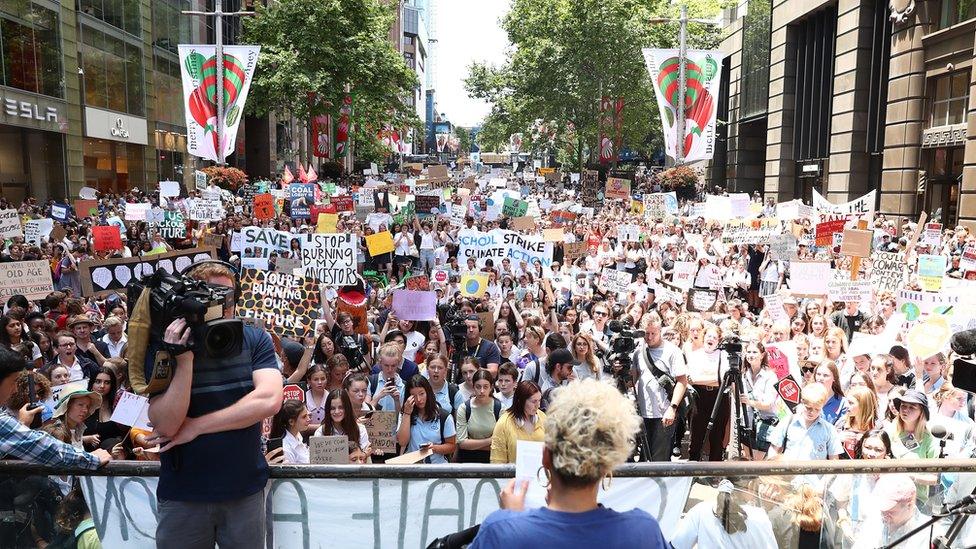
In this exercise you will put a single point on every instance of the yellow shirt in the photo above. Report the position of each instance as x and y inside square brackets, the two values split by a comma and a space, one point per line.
[507, 433]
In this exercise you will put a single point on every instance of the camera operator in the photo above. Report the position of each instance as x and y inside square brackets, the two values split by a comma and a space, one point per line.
[484, 350]
[19, 441]
[589, 431]
[660, 377]
[212, 474]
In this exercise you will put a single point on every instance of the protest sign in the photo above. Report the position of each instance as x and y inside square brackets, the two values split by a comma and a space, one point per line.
[849, 290]
[343, 203]
[379, 243]
[327, 223]
[132, 410]
[825, 232]
[387, 512]
[589, 188]
[773, 304]
[887, 271]
[84, 208]
[856, 242]
[789, 390]
[932, 236]
[562, 217]
[36, 229]
[417, 283]
[793, 210]
[59, 212]
[415, 305]
[172, 226]
[660, 205]
[257, 244]
[617, 188]
[110, 275]
[88, 193]
[919, 305]
[473, 284]
[702, 301]
[287, 304]
[628, 233]
[809, 278]
[379, 426]
[553, 235]
[615, 281]
[514, 207]
[328, 450]
[207, 209]
[967, 261]
[264, 206]
[136, 211]
[199, 179]
[301, 196]
[931, 268]
[783, 360]
[106, 238]
[31, 279]
[857, 208]
[523, 223]
[10, 224]
[168, 188]
[574, 250]
[684, 274]
[427, 204]
[929, 337]
[717, 208]
[739, 205]
[782, 246]
[330, 259]
[750, 231]
[499, 244]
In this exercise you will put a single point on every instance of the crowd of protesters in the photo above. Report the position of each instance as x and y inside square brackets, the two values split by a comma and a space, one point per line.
[534, 330]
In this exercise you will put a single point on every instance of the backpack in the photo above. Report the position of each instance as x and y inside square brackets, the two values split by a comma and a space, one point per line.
[452, 391]
[442, 416]
[496, 409]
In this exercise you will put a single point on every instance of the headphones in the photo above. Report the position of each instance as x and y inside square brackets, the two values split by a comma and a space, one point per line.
[231, 268]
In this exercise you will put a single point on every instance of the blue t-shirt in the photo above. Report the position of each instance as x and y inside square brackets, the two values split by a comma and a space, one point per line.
[228, 465]
[543, 527]
[430, 431]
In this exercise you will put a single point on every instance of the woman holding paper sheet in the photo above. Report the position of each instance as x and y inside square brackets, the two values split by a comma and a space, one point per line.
[341, 420]
[423, 424]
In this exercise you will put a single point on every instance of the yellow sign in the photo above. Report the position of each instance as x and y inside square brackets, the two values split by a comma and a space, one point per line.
[474, 284]
[545, 171]
[327, 223]
[927, 338]
[379, 243]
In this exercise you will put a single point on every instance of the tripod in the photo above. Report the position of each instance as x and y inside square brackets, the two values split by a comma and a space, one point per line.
[642, 445]
[732, 379]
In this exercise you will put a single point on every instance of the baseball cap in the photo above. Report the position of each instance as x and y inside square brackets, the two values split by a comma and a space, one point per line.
[893, 490]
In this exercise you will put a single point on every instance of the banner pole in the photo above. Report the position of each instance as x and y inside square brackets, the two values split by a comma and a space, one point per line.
[219, 58]
[679, 158]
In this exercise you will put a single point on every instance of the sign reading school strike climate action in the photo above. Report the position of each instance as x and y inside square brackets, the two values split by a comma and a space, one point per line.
[499, 244]
[329, 258]
[288, 304]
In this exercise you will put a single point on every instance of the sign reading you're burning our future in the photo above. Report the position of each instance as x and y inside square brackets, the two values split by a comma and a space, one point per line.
[288, 304]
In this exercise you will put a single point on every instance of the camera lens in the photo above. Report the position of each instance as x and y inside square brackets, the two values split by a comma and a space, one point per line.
[223, 337]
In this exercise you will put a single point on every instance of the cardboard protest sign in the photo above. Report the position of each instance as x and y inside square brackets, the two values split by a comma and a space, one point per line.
[702, 301]
[136, 211]
[10, 224]
[415, 305]
[330, 259]
[379, 243]
[589, 188]
[264, 206]
[782, 246]
[327, 223]
[887, 271]
[849, 290]
[553, 235]
[172, 226]
[302, 196]
[617, 188]
[168, 188]
[110, 275]
[31, 279]
[931, 269]
[437, 172]
[614, 280]
[85, 208]
[330, 450]
[561, 217]
[809, 278]
[379, 426]
[574, 250]
[427, 204]
[287, 304]
[856, 243]
[514, 207]
[106, 238]
[207, 209]
[523, 223]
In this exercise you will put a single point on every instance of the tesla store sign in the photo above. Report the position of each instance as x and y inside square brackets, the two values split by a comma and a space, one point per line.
[115, 126]
[34, 111]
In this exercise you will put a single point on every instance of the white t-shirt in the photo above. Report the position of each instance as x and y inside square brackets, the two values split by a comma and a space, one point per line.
[296, 451]
[700, 526]
[652, 399]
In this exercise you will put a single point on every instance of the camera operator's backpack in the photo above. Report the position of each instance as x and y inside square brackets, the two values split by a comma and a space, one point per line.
[145, 361]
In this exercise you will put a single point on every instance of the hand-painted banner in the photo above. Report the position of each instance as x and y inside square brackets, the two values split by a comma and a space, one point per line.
[198, 67]
[700, 103]
[111, 275]
[750, 231]
[887, 271]
[31, 279]
[499, 244]
[330, 259]
[382, 512]
[288, 304]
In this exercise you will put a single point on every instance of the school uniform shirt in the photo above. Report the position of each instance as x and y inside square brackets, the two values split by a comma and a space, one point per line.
[296, 451]
[443, 397]
[834, 409]
[316, 410]
[363, 441]
[422, 431]
[505, 400]
[819, 441]
[700, 526]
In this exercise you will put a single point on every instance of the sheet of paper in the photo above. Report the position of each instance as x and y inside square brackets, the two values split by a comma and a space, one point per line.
[528, 460]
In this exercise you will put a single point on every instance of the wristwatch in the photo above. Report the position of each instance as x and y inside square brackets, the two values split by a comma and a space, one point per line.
[674, 407]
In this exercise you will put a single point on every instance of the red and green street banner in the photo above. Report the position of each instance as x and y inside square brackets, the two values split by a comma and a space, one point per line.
[198, 67]
[343, 126]
[702, 81]
[611, 125]
[321, 128]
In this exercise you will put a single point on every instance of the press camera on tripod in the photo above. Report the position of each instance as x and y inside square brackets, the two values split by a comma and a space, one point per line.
[744, 426]
[453, 322]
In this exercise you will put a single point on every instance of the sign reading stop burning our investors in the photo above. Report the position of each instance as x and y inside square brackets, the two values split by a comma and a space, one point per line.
[31, 279]
[288, 304]
[329, 258]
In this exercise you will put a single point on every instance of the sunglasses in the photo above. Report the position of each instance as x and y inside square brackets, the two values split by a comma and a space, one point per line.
[807, 369]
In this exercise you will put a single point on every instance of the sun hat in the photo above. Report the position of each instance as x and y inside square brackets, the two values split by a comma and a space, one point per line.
[65, 401]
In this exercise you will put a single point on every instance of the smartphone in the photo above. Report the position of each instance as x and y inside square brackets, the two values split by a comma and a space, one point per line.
[32, 395]
[426, 445]
[274, 443]
[390, 382]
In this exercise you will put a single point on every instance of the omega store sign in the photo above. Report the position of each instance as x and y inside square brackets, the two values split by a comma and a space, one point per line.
[30, 110]
[115, 126]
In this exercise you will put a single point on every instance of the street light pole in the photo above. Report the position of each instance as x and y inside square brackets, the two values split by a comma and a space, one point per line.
[218, 14]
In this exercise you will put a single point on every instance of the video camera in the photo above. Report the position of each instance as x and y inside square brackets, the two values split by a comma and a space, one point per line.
[174, 296]
[732, 345]
[453, 322]
[622, 345]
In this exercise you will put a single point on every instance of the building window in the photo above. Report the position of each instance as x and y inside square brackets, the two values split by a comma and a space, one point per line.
[121, 14]
[956, 11]
[113, 167]
[169, 91]
[755, 60]
[950, 95]
[30, 43]
[814, 65]
[113, 74]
